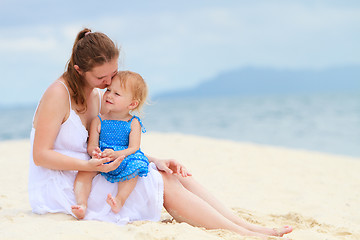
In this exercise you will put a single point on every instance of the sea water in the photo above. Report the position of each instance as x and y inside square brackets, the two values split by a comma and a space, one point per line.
[318, 122]
[323, 122]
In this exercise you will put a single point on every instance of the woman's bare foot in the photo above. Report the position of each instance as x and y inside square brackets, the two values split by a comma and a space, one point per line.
[79, 211]
[279, 232]
[114, 203]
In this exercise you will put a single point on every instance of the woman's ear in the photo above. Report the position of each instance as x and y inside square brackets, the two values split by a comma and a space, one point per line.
[133, 105]
[78, 69]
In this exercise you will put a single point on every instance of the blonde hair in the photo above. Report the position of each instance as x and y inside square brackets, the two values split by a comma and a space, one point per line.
[90, 49]
[137, 85]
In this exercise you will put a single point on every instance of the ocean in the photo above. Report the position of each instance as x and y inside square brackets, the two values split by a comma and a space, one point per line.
[327, 123]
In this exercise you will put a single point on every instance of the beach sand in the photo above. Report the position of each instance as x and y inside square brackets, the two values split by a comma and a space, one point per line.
[318, 194]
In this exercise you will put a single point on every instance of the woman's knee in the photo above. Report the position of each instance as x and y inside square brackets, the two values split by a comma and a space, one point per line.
[171, 184]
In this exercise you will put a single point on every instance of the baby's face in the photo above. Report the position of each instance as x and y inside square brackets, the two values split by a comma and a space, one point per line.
[117, 97]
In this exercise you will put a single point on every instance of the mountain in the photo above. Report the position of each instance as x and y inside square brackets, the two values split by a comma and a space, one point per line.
[260, 81]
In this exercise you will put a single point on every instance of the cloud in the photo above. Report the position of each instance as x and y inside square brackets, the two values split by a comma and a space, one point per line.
[193, 44]
[180, 46]
[27, 44]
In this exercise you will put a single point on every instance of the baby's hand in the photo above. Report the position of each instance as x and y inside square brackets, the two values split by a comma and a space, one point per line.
[110, 153]
[96, 153]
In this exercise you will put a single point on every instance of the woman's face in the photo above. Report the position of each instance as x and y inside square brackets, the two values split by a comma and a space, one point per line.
[100, 76]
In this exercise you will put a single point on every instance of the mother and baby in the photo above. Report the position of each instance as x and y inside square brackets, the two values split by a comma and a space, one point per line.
[78, 132]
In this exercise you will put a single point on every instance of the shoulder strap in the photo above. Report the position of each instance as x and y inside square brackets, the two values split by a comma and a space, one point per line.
[67, 91]
[143, 130]
[99, 118]
[99, 100]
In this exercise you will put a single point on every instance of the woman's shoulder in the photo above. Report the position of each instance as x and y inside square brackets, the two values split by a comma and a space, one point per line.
[97, 98]
[57, 89]
[54, 103]
[56, 94]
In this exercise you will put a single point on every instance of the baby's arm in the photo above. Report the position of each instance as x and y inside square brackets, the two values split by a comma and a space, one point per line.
[94, 133]
[134, 137]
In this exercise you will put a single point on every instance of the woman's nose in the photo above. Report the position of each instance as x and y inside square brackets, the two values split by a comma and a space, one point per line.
[107, 80]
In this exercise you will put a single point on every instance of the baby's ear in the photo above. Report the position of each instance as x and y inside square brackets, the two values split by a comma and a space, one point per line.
[133, 105]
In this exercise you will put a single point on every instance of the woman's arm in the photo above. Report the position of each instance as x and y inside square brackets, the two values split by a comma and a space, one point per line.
[53, 110]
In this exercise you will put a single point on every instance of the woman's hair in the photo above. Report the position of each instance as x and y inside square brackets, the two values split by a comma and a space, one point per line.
[91, 49]
[136, 84]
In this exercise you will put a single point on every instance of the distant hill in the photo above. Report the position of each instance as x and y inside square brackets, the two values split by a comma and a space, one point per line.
[260, 81]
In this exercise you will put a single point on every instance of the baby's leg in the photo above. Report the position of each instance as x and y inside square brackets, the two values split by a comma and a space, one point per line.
[82, 188]
[124, 190]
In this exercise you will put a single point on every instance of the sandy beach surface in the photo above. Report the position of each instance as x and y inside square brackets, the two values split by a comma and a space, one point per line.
[318, 194]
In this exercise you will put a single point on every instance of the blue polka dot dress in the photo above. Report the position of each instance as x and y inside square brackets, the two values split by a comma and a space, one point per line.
[114, 134]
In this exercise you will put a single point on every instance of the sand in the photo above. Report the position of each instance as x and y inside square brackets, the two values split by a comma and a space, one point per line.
[316, 193]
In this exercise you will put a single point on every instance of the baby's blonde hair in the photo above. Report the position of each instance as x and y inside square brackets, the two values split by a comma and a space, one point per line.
[137, 85]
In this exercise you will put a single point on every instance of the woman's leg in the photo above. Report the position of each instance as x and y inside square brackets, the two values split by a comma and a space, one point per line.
[193, 186]
[124, 190]
[82, 188]
[186, 206]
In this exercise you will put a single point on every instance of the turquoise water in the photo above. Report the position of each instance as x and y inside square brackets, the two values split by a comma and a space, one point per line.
[326, 123]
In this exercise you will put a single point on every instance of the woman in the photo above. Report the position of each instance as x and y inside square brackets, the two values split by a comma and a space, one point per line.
[59, 139]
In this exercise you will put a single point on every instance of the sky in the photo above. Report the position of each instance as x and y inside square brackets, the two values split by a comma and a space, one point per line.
[174, 44]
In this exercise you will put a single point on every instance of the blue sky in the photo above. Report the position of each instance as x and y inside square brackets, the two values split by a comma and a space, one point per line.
[174, 44]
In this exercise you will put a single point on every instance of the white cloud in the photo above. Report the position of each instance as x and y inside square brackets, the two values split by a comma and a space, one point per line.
[180, 47]
[191, 45]
[27, 44]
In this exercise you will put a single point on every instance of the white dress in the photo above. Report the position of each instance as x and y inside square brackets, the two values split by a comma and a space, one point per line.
[51, 191]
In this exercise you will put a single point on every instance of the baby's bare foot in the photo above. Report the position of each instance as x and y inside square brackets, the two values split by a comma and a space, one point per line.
[79, 211]
[114, 203]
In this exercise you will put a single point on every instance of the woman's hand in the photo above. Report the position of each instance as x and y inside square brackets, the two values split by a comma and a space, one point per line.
[98, 164]
[171, 166]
